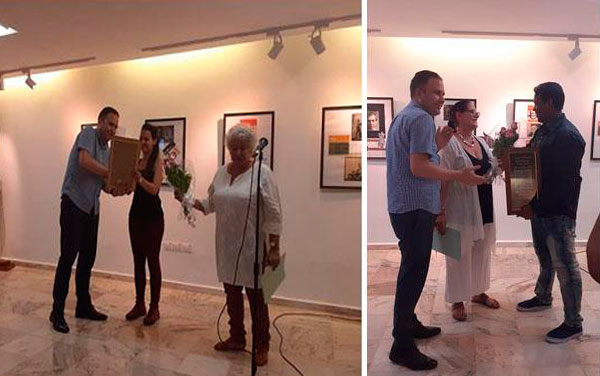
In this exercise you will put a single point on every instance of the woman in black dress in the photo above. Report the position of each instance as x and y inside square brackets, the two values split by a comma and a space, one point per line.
[146, 225]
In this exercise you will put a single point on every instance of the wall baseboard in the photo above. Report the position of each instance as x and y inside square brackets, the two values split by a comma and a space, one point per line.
[283, 301]
[502, 243]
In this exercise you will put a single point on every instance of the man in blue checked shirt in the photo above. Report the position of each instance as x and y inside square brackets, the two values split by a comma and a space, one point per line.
[413, 192]
[553, 211]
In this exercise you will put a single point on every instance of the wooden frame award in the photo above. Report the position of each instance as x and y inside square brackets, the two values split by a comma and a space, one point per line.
[124, 155]
[522, 177]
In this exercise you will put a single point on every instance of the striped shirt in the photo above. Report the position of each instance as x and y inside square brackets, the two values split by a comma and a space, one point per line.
[412, 131]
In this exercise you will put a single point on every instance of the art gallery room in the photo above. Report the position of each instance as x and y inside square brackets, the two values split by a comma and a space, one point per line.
[286, 71]
[494, 53]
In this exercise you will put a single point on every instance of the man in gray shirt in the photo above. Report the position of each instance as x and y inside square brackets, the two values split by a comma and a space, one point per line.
[79, 209]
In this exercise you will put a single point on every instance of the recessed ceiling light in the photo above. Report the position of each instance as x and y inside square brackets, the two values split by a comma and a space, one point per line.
[5, 30]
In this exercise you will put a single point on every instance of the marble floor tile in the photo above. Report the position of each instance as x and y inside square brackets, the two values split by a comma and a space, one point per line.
[179, 344]
[492, 341]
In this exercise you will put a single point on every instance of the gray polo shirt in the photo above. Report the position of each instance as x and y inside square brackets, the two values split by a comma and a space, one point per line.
[412, 131]
[80, 185]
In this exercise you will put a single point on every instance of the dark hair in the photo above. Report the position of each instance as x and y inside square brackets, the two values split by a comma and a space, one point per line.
[152, 160]
[553, 91]
[460, 106]
[420, 79]
[105, 112]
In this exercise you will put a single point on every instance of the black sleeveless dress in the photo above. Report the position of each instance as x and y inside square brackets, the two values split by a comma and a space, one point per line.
[146, 206]
[486, 200]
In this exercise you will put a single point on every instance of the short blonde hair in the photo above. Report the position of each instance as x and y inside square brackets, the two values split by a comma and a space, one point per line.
[242, 133]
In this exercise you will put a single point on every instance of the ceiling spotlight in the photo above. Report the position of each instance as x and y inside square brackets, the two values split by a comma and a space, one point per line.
[277, 46]
[316, 42]
[576, 51]
[29, 81]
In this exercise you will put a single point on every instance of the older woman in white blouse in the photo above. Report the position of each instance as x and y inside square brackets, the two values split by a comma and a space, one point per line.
[229, 197]
[469, 210]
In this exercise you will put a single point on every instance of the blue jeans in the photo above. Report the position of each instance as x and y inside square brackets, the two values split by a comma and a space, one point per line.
[414, 231]
[554, 242]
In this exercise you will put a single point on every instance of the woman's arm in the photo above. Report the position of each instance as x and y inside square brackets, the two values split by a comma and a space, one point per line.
[153, 186]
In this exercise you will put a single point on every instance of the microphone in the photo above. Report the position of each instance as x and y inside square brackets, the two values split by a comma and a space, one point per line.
[262, 143]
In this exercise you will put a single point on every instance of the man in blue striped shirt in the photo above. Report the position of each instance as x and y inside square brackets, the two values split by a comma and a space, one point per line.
[413, 191]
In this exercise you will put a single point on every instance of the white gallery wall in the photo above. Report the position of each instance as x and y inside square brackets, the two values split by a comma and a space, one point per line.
[494, 72]
[321, 227]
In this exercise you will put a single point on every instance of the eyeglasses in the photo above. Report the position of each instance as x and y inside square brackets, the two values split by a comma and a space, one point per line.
[472, 112]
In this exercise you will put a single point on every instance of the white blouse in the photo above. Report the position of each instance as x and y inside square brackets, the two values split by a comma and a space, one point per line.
[229, 201]
[463, 212]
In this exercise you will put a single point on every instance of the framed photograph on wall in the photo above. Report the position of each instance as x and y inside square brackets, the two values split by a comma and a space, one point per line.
[524, 115]
[380, 113]
[171, 135]
[442, 119]
[595, 149]
[261, 123]
[341, 140]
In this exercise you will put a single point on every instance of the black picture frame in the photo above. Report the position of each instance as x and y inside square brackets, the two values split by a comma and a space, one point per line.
[442, 118]
[265, 119]
[595, 143]
[336, 129]
[171, 130]
[384, 106]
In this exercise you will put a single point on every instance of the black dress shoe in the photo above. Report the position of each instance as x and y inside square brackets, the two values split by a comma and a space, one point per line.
[89, 313]
[421, 331]
[58, 322]
[413, 359]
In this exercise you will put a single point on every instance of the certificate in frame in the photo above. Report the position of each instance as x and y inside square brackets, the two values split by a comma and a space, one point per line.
[523, 178]
[124, 156]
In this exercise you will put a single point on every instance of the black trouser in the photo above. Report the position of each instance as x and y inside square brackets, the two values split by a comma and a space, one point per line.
[414, 231]
[146, 237]
[259, 312]
[78, 234]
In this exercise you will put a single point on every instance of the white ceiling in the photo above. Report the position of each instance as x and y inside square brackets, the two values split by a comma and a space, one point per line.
[427, 18]
[54, 30]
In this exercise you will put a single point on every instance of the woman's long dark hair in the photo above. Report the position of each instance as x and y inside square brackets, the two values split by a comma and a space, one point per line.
[460, 106]
[152, 160]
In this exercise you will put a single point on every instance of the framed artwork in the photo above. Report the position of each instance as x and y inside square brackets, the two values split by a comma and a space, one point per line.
[595, 149]
[442, 119]
[524, 115]
[171, 136]
[380, 113]
[261, 123]
[341, 140]
[93, 125]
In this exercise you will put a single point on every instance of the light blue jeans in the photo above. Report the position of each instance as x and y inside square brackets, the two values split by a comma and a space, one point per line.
[554, 242]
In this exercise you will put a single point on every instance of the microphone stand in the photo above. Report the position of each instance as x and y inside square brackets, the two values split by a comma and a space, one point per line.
[256, 265]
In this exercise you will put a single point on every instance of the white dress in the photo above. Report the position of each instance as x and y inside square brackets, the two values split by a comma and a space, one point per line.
[470, 275]
[229, 202]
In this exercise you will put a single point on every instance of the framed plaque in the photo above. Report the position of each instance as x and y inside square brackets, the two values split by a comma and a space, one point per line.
[522, 178]
[595, 148]
[124, 155]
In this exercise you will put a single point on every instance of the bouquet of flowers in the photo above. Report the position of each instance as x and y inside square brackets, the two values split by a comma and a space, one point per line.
[505, 139]
[181, 180]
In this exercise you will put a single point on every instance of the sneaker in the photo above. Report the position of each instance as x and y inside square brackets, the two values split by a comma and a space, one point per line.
[563, 333]
[532, 305]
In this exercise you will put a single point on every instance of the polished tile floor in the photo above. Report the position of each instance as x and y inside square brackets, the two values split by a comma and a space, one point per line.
[181, 343]
[490, 342]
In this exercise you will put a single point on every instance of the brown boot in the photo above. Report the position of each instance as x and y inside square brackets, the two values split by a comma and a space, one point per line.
[138, 310]
[231, 344]
[262, 357]
[152, 316]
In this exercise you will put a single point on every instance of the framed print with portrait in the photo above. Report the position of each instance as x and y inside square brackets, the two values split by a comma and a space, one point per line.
[441, 120]
[341, 140]
[261, 123]
[380, 113]
[171, 136]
